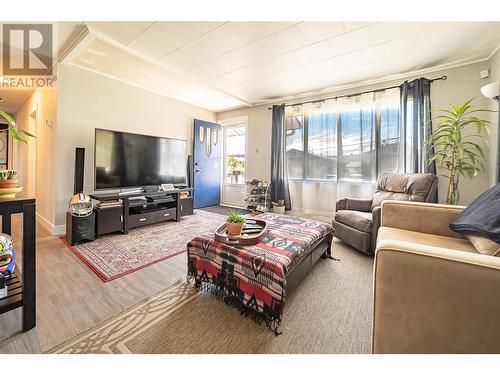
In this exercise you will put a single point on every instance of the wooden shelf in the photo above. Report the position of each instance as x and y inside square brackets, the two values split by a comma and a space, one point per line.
[21, 293]
[14, 298]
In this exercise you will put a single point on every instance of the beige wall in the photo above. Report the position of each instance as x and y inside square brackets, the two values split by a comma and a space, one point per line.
[493, 105]
[462, 84]
[88, 101]
[36, 160]
[258, 140]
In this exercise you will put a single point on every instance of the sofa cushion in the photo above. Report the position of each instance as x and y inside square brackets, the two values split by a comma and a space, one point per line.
[417, 238]
[361, 221]
[403, 186]
[483, 245]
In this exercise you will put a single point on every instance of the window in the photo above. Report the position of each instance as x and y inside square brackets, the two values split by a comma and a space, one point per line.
[234, 154]
[295, 146]
[355, 140]
[322, 146]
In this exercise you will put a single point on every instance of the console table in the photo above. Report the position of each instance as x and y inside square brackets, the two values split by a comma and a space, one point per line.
[21, 293]
[132, 214]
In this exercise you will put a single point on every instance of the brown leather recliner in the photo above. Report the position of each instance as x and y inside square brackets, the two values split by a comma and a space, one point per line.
[356, 221]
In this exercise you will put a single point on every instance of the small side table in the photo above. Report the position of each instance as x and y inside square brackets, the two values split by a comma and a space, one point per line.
[21, 293]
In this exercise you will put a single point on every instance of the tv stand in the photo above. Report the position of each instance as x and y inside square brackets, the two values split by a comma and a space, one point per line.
[140, 208]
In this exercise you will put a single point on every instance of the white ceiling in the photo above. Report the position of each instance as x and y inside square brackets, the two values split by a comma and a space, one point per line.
[221, 65]
[12, 99]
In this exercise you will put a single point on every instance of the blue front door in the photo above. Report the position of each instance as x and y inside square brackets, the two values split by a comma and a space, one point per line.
[207, 163]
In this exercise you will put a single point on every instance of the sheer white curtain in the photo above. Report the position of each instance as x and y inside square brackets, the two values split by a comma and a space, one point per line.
[338, 148]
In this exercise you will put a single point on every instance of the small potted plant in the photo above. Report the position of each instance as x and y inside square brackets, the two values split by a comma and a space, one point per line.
[8, 179]
[234, 224]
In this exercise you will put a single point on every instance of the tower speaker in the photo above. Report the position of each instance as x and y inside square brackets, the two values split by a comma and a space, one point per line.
[190, 167]
[79, 168]
[80, 228]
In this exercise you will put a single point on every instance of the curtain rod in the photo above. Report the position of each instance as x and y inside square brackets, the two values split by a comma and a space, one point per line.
[442, 78]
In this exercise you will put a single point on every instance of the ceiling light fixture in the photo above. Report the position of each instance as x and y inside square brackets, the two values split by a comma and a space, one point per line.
[491, 90]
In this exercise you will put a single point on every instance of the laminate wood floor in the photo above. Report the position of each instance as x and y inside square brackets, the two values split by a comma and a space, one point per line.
[71, 298]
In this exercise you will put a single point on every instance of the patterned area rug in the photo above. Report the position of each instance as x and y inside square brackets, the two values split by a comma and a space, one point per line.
[116, 255]
[330, 312]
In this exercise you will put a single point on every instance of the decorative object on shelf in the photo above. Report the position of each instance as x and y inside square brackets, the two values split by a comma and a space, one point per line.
[257, 195]
[453, 150]
[8, 178]
[4, 146]
[22, 288]
[279, 207]
[3, 286]
[80, 205]
[167, 187]
[252, 233]
[234, 224]
[8, 184]
[7, 255]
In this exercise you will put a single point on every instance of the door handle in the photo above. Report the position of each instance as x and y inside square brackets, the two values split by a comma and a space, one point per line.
[197, 170]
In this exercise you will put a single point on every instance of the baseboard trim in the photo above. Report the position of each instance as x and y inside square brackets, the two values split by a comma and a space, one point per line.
[232, 205]
[312, 212]
[53, 229]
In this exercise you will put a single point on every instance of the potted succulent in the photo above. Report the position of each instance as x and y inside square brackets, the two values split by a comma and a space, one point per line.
[234, 224]
[8, 179]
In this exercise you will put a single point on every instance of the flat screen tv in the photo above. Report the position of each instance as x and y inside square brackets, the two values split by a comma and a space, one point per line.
[126, 160]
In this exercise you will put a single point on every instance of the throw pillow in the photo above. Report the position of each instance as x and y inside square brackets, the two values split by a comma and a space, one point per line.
[481, 217]
[483, 245]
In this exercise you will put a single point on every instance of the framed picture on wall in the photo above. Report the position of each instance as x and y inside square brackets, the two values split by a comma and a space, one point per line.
[4, 149]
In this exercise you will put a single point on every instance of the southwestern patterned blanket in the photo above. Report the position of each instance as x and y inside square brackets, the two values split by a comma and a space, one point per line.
[253, 278]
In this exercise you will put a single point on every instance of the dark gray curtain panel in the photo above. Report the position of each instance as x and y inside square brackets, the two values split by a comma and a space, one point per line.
[416, 126]
[279, 177]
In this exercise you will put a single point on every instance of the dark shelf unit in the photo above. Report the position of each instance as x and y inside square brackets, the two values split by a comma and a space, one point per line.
[21, 292]
[134, 213]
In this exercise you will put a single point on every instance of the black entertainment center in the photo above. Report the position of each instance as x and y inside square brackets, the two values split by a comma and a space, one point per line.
[156, 167]
[139, 209]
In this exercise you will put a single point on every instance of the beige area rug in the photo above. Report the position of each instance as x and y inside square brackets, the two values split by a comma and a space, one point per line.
[330, 312]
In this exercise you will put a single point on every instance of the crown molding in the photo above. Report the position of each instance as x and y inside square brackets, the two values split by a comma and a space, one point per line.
[87, 34]
[76, 45]
[389, 78]
[495, 50]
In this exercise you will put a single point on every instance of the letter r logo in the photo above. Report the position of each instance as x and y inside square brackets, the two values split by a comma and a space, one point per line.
[27, 49]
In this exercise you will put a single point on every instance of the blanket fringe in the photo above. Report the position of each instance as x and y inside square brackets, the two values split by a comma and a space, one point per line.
[222, 294]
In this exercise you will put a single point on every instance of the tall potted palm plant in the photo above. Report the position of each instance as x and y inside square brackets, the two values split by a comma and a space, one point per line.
[455, 146]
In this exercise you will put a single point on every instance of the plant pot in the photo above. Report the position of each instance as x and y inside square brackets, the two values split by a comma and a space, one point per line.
[279, 210]
[7, 184]
[234, 229]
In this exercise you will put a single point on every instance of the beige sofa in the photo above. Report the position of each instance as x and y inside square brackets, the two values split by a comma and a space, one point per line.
[433, 292]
